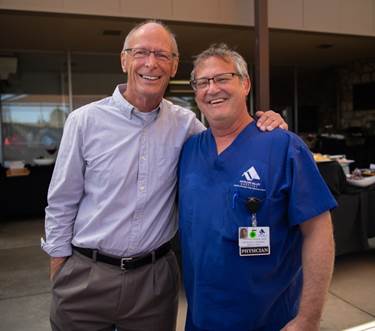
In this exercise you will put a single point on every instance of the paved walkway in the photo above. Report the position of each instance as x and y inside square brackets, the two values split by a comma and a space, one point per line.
[24, 285]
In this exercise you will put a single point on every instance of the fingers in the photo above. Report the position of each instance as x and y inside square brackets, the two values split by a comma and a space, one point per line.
[56, 264]
[270, 120]
[261, 126]
[259, 113]
[261, 120]
[267, 122]
[284, 126]
[271, 124]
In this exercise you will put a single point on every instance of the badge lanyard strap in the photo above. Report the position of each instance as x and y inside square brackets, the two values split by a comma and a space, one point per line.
[253, 205]
[254, 220]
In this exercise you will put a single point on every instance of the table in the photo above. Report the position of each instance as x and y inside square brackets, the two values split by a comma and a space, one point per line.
[24, 195]
[354, 218]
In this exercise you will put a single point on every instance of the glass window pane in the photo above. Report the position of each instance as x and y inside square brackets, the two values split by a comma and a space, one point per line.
[94, 76]
[34, 108]
[180, 93]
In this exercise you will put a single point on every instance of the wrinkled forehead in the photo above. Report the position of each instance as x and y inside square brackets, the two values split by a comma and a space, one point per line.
[151, 35]
[213, 65]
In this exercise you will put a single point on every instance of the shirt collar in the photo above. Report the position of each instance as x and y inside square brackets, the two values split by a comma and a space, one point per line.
[128, 109]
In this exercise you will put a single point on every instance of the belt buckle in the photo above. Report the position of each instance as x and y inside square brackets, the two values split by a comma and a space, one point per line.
[123, 261]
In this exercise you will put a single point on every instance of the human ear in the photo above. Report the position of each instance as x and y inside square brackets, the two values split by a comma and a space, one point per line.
[123, 60]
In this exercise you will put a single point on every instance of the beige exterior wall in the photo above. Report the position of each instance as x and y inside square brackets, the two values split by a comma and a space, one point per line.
[332, 16]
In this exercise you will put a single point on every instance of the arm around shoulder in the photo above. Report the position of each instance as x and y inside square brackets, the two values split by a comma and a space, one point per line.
[270, 120]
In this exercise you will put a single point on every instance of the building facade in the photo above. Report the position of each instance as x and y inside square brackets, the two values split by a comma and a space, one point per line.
[56, 55]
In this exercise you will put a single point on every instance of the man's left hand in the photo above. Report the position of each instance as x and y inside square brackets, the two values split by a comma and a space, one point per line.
[270, 120]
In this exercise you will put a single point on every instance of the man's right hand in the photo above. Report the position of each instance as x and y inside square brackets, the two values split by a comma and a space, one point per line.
[56, 264]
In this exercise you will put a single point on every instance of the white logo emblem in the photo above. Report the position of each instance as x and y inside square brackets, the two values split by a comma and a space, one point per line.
[251, 174]
[251, 181]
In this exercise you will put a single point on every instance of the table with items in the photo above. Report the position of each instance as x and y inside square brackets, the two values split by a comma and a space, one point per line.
[354, 218]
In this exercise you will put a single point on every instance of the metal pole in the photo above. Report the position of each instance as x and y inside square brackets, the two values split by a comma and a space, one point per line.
[262, 85]
[295, 85]
[70, 85]
[1, 127]
[251, 96]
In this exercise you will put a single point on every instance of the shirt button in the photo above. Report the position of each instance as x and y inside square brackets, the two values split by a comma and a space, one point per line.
[142, 188]
[143, 158]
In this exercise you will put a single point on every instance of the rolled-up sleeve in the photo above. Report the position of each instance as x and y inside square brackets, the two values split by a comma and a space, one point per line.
[65, 190]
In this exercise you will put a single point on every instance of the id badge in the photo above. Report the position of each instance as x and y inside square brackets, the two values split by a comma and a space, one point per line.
[254, 240]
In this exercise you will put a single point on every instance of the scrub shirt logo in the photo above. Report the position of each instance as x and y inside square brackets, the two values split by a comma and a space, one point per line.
[251, 174]
[250, 180]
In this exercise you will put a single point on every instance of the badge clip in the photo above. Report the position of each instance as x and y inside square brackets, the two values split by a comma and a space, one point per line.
[253, 205]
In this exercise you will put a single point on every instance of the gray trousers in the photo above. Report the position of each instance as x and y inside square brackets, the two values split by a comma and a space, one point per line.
[93, 296]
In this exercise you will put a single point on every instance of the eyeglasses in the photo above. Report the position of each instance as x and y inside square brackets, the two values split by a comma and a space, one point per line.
[142, 53]
[220, 80]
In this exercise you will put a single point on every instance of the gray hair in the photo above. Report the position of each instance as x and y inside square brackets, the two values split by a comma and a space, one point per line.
[224, 52]
[165, 27]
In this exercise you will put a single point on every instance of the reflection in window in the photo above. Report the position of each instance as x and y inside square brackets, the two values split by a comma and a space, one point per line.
[32, 125]
[34, 106]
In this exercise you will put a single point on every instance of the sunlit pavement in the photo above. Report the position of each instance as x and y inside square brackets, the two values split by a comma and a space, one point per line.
[24, 284]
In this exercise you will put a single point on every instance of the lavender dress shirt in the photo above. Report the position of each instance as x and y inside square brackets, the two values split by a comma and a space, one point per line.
[114, 183]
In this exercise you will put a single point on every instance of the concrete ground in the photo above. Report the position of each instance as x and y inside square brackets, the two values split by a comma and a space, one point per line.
[24, 284]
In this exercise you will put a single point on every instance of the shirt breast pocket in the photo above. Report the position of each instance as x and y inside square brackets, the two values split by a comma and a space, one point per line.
[167, 162]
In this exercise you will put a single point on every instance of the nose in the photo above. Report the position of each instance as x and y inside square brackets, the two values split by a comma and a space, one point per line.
[212, 86]
[151, 60]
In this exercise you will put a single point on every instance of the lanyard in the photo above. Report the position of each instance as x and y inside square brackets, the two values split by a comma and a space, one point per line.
[253, 205]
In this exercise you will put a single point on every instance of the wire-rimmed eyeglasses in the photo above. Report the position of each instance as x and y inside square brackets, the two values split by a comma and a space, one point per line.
[142, 53]
[220, 80]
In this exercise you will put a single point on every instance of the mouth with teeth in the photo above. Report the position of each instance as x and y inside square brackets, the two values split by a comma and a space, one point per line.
[149, 78]
[216, 101]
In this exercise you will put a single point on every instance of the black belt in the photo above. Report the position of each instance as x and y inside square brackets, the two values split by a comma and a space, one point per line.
[125, 263]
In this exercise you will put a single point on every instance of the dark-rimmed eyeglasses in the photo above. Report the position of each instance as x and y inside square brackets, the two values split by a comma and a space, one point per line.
[220, 80]
[142, 53]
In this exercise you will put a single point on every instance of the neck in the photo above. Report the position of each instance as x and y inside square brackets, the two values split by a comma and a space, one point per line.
[143, 104]
[225, 134]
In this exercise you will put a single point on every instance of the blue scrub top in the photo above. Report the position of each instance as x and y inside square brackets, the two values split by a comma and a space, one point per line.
[227, 292]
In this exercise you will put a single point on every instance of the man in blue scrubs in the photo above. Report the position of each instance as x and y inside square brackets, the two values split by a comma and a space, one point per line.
[232, 178]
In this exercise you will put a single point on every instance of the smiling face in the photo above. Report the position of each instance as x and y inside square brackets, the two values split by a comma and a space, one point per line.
[148, 77]
[225, 103]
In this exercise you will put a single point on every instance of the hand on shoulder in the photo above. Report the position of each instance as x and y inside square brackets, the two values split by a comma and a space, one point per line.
[270, 120]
